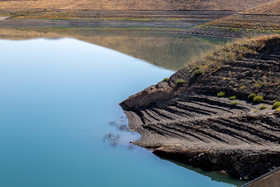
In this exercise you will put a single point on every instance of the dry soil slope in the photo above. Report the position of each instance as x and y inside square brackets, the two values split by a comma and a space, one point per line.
[236, 5]
[272, 8]
[265, 17]
[189, 123]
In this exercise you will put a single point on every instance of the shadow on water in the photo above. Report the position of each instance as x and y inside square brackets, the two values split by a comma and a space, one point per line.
[215, 176]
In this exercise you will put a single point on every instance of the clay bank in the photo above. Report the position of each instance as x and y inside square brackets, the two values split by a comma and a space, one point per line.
[219, 114]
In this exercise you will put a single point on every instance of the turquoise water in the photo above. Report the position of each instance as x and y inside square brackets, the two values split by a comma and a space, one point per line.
[61, 125]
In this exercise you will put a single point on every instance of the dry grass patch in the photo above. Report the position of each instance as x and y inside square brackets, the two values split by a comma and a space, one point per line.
[232, 51]
[231, 68]
[134, 5]
[263, 18]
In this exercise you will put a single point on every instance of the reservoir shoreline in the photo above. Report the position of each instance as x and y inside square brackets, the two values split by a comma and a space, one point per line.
[190, 124]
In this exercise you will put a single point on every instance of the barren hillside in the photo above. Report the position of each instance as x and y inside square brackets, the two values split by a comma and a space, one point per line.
[236, 5]
[263, 17]
[272, 8]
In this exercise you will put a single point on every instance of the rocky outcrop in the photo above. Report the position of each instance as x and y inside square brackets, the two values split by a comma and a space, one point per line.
[187, 122]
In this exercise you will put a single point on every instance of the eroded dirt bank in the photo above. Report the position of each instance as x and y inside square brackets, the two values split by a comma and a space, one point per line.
[183, 118]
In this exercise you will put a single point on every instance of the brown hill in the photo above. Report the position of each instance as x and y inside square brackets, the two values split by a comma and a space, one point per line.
[236, 5]
[272, 8]
[264, 17]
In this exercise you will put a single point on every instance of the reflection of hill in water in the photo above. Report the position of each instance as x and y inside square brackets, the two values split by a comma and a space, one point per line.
[213, 175]
[168, 50]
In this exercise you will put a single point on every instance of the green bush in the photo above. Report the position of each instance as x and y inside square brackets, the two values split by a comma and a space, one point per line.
[165, 79]
[234, 103]
[276, 105]
[221, 94]
[251, 97]
[180, 82]
[232, 98]
[262, 107]
[197, 72]
[258, 99]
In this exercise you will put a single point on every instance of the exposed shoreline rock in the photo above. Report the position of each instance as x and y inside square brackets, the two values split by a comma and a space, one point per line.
[190, 124]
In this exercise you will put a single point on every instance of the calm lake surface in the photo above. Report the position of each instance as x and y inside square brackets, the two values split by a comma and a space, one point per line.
[61, 125]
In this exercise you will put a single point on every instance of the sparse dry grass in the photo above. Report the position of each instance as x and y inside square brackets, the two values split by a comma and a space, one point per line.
[271, 8]
[263, 18]
[222, 68]
[231, 52]
[132, 4]
[49, 8]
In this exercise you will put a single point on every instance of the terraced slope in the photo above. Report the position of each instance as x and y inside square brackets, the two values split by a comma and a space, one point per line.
[263, 17]
[187, 122]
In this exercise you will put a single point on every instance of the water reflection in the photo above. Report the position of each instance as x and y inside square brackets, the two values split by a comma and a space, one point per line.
[214, 175]
[64, 97]
[122, 130]
[113, 139]
[120, 125]
[168, 49]
[121, 135]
